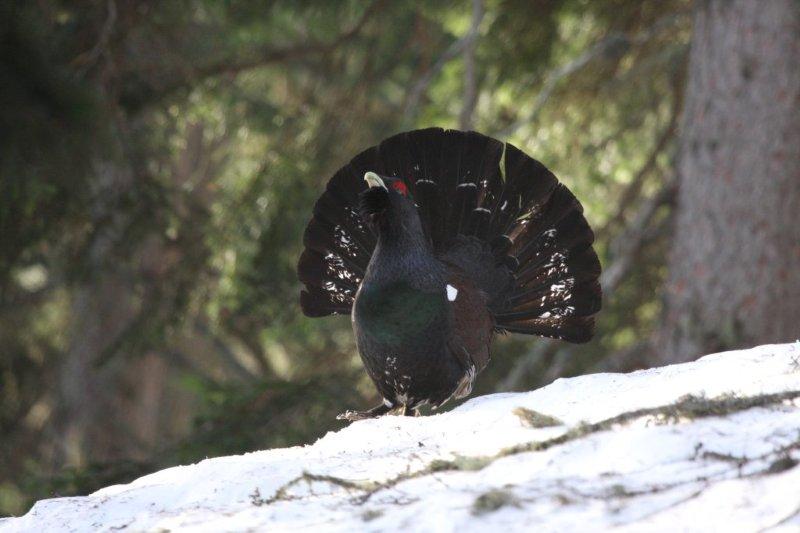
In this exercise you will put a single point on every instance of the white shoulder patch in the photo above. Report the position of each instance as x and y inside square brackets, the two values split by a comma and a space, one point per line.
[452, 293]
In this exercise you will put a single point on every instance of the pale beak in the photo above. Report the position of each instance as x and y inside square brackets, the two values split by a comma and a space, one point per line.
[373, 180]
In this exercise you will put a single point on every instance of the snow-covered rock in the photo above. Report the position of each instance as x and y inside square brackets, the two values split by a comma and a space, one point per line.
[627, 451]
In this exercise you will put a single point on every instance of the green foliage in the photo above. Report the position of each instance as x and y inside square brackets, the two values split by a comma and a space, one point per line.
[270, 414]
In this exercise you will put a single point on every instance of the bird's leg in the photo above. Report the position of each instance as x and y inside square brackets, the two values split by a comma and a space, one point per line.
[407, 411]
[352, 416]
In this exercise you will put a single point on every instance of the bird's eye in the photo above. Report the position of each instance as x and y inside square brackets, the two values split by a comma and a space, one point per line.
[400, 187]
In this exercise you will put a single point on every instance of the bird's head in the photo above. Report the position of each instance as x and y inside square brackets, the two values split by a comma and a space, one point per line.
[388, 207]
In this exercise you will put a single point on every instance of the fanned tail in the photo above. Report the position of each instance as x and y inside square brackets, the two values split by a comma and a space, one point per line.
[487, 208]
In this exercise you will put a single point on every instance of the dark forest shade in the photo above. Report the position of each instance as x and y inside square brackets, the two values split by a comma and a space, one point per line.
[453, 237]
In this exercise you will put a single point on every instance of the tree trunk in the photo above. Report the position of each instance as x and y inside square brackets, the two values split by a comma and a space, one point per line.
[734, 271]
[111, 405]
[87, 422]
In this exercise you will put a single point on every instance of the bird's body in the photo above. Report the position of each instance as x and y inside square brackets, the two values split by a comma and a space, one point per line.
[456, 237]
[421, 327]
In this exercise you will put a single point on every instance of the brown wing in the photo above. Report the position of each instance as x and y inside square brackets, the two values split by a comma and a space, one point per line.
[472, 327]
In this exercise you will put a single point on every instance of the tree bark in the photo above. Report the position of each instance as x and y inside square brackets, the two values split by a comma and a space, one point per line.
[734, 271]
[105, 403]
[87, 425]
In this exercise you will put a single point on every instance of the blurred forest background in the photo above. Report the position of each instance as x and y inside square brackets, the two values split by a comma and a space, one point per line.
[159, 161]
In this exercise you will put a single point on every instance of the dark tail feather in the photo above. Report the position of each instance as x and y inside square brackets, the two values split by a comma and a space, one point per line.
[426, 193]
[573, 329]
[488, 208]
[466, 200]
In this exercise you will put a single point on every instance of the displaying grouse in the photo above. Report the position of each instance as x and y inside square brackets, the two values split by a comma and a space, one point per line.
[433, 241]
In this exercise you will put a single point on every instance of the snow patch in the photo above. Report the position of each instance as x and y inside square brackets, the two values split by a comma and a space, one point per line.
[632, 452]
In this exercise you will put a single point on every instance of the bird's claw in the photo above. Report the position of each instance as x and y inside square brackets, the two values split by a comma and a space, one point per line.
[352, 416]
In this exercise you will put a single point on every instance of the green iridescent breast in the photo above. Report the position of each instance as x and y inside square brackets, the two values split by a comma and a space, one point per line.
[392, 313]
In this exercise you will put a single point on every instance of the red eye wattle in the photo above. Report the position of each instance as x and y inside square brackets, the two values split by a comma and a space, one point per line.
[400, 187]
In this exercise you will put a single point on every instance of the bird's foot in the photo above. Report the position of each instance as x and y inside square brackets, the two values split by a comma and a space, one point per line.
[352, 416]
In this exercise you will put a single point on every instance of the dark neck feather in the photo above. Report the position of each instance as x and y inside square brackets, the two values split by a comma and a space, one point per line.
[402, 233]
[404, 253]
